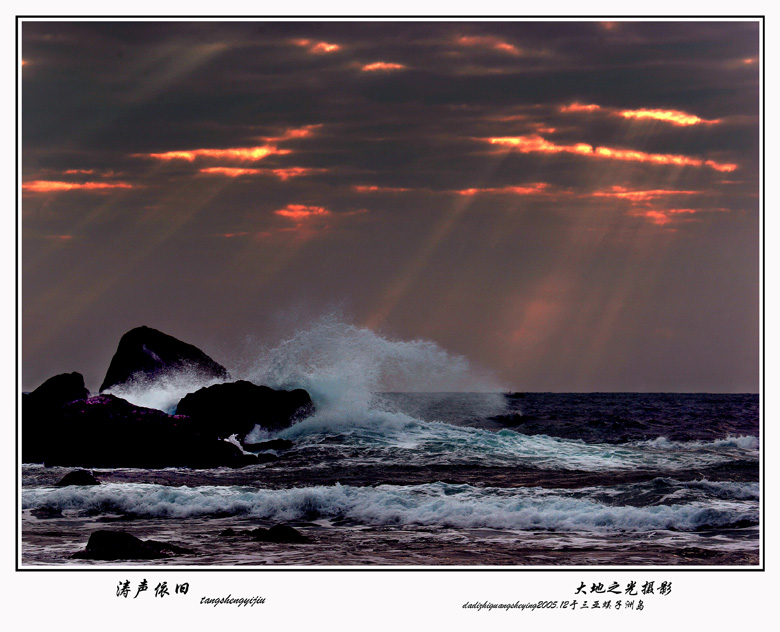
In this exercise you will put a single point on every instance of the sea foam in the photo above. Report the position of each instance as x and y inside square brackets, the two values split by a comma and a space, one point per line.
[432, 504]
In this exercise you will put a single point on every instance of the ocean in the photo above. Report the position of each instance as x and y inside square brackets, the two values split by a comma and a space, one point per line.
[431, 478]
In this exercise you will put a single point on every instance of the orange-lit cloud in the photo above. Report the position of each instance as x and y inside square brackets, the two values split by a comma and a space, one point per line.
[317, 47]
[324, 47]
[294, 132]
[382, 66]
[675, 117]
[532, 189]
[639, 195]
[718, 166]
[749, 60]
[295, 172]
[301, 212]
[487, 41]
[579, 107]
[51, 186]
[232, 172]
[281, 173]
[537, 144]
[376, 189]
[241, 154]
[662, 217]
[79, 171]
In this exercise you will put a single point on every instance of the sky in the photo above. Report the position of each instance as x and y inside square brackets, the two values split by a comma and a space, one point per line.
[570, 205]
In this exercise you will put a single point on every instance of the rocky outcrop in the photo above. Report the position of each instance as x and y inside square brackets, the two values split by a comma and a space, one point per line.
[60, 389]
[107, 431]
[42, 406]
[145, 354]
[62, 425]
[119, 545]
[279, 533]
[273, 444]
[78, 477]
[236, 407]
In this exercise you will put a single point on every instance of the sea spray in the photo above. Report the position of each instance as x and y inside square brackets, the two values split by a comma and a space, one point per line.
[340, 362]
[163, 391]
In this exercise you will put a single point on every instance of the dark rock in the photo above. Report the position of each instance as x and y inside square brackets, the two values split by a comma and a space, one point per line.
[43, 513]
[228, 532]
[235, 408]
[279, 533]
[266, 458]
[61, 389]
[120, 545]
[78, 477]
[41, 407]
[515, 395]
[107, 431]
[274, 444]
[145, 353]
[167, 548]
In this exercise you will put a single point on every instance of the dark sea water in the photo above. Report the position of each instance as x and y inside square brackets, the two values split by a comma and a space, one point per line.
[432, 479]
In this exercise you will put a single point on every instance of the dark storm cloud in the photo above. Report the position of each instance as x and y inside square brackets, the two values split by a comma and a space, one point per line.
[190, 175]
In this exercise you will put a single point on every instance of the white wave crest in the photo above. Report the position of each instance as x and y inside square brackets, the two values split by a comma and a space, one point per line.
[743, 442]
[434, 504]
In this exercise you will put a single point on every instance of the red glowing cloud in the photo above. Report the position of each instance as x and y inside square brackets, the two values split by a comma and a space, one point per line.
[579, 107]
[295, 172]
[240, 154]
[639, 195]
[663, 217]
[536, 188]
[318, 48]
[675, 117]
[295, 132]
[50, 186]
[487, 41]
[231, 172]
[382, 66]
[537, 144]
[281, 173]
[375, 189]
[300, 212]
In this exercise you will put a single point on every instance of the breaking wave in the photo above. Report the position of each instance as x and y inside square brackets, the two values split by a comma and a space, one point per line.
[432, 504]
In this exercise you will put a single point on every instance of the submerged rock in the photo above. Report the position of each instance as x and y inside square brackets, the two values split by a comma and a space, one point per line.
[279, 533]
[236, 407]
[145, 354]
[120, 545]
[274, 444]
[42, 513]
[78, 477]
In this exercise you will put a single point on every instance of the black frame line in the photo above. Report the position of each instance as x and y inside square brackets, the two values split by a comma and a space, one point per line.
[449, 569]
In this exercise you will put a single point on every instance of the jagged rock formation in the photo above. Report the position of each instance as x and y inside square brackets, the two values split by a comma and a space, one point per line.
[145, 353]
